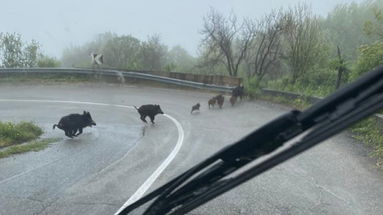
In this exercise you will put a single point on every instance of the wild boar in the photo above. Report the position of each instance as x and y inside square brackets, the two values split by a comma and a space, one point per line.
[233, 100]
[238, 91]
[212, 102]
[73, 123]
[220, 99]
[195, 107]
[149, 110]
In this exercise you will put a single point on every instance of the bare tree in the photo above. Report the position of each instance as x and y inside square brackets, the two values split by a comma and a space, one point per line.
[226, 41]
[303, 39]
[266, 48]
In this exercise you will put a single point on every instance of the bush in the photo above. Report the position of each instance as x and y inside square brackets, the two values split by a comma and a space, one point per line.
[45, 61]
[252, 89]
[11, 133]
[369, 131]
[370, 57]
[316, 83]
[35, 145]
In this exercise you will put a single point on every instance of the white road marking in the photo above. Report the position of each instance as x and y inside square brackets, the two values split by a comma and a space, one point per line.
[146, 185]
[152, 178]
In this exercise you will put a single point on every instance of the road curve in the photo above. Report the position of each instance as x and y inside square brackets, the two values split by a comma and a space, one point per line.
[99, 171]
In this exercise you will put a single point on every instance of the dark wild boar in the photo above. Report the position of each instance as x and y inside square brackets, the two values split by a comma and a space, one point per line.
[195, 107]
[220, 99]
[73, 123]
[238, 91]
[212, 102]
[233, 100]
[149, 110]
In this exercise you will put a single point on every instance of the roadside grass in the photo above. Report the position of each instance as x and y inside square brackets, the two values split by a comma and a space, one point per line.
[368, 131]
[16, 138]
[44, 78]
[298, 103]
[35, 145]
[11, 133]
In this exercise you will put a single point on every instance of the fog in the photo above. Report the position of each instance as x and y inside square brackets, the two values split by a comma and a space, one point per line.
[60, 24]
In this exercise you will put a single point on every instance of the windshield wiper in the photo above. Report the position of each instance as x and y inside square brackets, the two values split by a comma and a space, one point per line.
[225, 169]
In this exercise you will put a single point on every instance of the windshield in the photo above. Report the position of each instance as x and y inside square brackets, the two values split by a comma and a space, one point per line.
[104, 102]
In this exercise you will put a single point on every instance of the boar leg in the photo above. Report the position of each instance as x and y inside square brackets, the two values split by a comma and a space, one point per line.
[79, 132]
[152, 119]
[143, 118]
[68, 134]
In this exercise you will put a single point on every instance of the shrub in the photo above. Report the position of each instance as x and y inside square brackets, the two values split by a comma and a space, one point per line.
[370, 57]
[11, 133]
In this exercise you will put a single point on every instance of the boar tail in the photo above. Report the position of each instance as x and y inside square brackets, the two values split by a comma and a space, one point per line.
[54, 126]
[135, 107]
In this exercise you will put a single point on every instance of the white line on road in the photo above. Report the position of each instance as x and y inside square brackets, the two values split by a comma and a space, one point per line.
[152, 178]
[146, 185]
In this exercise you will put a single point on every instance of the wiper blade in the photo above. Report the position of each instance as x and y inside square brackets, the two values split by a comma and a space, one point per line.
[222, 171]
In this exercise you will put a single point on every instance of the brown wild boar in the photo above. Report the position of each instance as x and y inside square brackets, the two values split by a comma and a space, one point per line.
[212, 102]
[220, 99]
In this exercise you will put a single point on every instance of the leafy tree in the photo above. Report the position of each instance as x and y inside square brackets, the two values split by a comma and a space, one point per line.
[179, 60]
[122, 52]
[11, 50]
[344, 26]
[370, 57]
[374, 28]
[30, 54]
[153, 54]
[15, 53]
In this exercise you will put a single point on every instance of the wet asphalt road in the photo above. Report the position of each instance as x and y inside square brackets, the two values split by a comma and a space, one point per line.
[98, 171]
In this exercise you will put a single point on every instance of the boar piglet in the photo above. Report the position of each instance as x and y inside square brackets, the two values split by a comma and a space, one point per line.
[195, 107]
[149, 110]
[212, 102]
[220, 99]
[73, 123]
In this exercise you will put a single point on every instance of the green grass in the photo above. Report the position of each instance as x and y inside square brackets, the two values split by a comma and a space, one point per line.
[11, 133]
[35, 145]
[44, 78]
[298, 103]
[310, 90]
[16, 138]
[369, 131]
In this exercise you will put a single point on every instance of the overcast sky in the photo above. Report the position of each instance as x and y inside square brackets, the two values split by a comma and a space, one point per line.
[59, 24]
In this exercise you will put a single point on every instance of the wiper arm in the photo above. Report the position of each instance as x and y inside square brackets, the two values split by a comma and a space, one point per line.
[221, 172]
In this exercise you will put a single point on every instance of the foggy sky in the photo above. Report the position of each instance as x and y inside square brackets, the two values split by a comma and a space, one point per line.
[59, 24]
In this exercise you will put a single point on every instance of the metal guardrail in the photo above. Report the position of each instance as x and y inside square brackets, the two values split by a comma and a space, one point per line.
[145, 76]
[119, 73]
